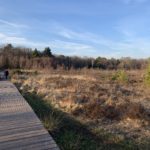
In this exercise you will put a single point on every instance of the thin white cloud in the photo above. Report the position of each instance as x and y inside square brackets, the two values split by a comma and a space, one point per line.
[11, 39]
[72, 48]
[82, 36]
[20, 41]
[12, 24]
[86, 44]
[61, 47]
[130, 45]
[100, 46]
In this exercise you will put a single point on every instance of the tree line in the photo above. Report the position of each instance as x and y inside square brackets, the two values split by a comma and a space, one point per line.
[26, 58]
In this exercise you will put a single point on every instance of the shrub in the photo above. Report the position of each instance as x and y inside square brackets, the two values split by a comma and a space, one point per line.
[147, 76]
[52, 122]
[120, 76]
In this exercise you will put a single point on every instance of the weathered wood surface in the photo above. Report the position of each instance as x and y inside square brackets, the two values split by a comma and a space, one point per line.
[20, 128]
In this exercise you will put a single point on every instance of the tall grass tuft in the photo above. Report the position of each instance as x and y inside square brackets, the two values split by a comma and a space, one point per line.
[120, 76]
[147, 76]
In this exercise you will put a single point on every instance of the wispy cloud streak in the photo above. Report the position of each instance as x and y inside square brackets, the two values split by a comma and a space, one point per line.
[12, 24]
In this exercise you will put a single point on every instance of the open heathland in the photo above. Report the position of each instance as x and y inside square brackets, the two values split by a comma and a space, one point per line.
[90, 109]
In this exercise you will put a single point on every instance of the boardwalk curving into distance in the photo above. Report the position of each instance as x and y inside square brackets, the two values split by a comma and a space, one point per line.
[20, 128]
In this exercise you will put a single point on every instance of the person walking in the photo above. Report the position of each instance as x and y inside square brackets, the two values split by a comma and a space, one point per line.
[6, 74]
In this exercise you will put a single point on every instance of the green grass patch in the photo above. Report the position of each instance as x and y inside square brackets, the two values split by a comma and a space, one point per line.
[147, 76]
[120, 76]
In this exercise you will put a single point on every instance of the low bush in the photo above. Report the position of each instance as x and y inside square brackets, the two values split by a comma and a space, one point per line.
[120, 76]
[147, 76]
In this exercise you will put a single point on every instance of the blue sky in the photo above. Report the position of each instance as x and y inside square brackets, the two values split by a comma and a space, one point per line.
[108, 28]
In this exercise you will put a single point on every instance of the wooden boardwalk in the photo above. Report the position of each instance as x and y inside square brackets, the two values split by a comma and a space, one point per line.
[20, 129]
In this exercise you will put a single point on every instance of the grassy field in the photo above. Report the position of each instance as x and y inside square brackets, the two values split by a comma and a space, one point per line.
[90, 109]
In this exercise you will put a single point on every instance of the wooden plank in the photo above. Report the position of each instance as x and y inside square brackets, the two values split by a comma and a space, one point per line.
[20, 128]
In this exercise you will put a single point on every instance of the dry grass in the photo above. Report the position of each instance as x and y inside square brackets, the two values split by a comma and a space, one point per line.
[97, 100]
